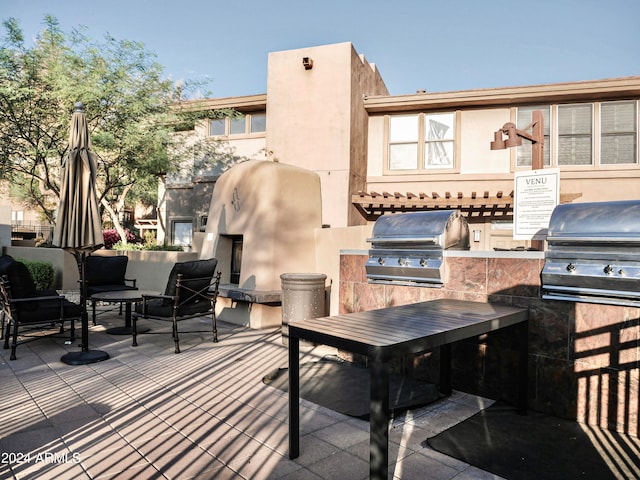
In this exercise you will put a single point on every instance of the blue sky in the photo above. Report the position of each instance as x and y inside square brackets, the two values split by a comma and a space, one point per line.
[438, 46]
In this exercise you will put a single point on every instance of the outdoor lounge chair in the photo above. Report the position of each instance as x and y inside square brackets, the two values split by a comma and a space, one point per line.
[106, 274]
[27, 310]
[192, 291]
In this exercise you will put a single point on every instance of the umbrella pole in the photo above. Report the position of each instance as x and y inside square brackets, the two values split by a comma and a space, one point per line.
[85, 356]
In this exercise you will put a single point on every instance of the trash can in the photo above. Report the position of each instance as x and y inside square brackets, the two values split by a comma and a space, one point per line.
[302, 298]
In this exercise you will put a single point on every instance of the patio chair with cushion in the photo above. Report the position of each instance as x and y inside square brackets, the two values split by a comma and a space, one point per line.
[107, 274]
[191, 291]
[31, 314]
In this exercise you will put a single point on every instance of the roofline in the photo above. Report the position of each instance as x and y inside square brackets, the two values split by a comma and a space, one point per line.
[607, 89]
[242, 104]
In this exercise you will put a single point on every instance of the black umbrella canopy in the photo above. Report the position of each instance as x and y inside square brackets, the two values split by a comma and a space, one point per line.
[78, 225]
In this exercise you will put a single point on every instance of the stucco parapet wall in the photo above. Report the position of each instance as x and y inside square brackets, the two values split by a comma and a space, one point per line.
[526, 254]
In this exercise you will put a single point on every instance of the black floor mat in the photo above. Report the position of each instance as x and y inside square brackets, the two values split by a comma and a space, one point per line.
[537, 446]
[344, 387]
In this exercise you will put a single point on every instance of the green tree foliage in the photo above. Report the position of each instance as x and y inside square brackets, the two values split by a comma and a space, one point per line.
[130, 107]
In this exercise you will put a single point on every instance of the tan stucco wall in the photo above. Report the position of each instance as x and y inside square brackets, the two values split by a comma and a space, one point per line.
[316, 119]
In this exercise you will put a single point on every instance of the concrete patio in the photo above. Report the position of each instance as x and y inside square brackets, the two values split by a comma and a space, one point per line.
[148, 413]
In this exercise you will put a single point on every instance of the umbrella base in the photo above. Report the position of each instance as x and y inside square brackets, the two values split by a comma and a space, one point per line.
[84, 358]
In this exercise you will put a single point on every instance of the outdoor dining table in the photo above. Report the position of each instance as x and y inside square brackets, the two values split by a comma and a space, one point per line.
[396, 331]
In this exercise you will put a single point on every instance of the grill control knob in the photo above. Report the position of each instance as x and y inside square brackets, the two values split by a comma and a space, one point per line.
[423, 262]
[571, 268]
[622, 272]
[403, 262]
[608, 269]
[381, 261]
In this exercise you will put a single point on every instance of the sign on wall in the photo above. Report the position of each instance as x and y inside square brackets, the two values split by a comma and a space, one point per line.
[536, 194]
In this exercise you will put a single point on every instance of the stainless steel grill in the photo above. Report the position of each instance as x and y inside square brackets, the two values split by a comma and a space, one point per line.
[593, 253]
[408, 248]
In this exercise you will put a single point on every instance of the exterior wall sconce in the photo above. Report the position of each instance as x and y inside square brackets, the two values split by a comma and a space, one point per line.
[515, 136]
[307, 62]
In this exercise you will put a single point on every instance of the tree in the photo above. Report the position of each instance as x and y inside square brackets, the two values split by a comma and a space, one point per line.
[130, 108]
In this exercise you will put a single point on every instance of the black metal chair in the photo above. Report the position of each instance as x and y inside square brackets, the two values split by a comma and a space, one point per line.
[106, 274]
[192, 291]
[28, 310]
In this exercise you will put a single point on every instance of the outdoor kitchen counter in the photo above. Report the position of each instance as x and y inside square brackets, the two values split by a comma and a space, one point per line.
[395, 331]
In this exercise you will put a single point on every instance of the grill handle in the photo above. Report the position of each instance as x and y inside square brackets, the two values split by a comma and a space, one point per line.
[622, 240]
[400, 240]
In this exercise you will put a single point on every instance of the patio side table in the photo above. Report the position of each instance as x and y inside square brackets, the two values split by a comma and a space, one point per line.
[127, 297]
[395, 331]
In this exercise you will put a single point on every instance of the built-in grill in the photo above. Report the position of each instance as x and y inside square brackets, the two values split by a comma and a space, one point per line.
[408, 248]
[593, 253]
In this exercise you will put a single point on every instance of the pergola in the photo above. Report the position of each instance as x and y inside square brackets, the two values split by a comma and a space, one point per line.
[485, 205]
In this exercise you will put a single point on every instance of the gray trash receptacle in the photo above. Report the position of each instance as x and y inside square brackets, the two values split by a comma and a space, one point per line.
[302, 298]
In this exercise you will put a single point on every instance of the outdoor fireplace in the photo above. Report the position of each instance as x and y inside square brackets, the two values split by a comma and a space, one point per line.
[593, 253]
[261, 224]
[409, 248]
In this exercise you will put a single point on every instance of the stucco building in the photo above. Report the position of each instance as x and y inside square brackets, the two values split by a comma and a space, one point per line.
[328, 110]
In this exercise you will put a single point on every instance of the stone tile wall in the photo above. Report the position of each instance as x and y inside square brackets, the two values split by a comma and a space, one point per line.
[583, 358]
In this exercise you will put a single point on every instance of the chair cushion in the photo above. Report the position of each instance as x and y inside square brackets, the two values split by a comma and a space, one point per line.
[20, 279]
[101, 270]
[48, 310]
[204, 269]
[157, 308]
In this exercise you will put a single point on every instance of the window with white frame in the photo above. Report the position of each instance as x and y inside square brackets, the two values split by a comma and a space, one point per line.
[421, 142]
[181, 232]
[403, 142]
[439, 138]
[575, 134]
[524, 153]
[17, 217]
[618, 133]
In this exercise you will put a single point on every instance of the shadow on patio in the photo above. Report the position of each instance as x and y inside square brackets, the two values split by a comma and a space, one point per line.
[204, 413]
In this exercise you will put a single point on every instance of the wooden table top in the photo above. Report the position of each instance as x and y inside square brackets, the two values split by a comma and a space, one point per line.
[411, 328]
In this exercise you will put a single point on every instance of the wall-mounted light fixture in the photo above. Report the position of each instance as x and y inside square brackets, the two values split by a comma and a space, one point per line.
[514, 139]
[515, 136]
[307, 62]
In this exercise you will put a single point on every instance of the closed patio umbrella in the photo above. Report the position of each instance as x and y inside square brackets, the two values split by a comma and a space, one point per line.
[78, 228]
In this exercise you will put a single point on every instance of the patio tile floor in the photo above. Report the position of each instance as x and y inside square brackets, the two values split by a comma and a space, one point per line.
[147, 413]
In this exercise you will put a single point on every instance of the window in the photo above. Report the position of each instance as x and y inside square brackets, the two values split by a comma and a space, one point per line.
[237, 126]
[217, 127]
[181, 232]
[17, 217]
[618, 133]
[524, 119]
[439, 136]
[575, 134]
[403, 142]
[258, 122]
[247, 124]
[421, 142]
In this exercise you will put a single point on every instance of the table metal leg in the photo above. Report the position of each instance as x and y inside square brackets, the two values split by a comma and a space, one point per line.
[127, 315]
[445, 369]
[523, 374]
[379, 417]
[294, 397]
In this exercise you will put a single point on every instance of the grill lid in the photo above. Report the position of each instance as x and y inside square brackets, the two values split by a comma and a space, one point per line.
[593, 253]
[407, 249]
